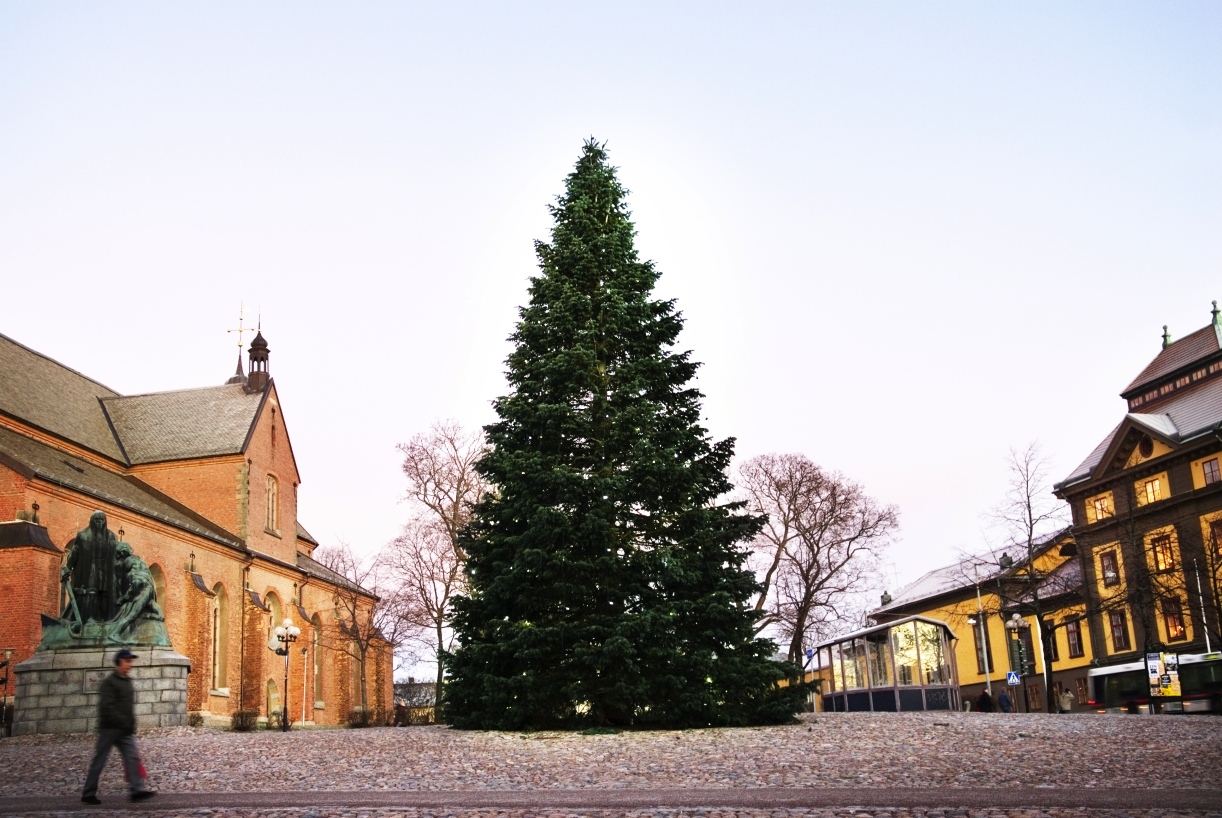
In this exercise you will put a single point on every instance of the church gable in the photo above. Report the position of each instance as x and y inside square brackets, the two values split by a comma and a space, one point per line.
[273, 479]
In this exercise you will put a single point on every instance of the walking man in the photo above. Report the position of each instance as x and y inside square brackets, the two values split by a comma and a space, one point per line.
[1065, 700]
[117, 728]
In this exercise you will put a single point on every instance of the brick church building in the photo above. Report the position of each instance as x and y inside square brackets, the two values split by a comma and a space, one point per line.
[203, 484]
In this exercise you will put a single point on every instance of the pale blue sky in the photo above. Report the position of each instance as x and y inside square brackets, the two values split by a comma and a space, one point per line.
[906, 236]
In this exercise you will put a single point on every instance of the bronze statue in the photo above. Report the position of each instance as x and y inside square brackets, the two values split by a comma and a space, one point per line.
[139, 599]
[110, 595]
[89, 573]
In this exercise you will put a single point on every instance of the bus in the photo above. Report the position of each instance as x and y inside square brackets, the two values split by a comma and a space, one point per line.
[1126, 688]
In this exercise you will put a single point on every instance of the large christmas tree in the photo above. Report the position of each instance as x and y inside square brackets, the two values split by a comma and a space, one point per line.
[607, 584]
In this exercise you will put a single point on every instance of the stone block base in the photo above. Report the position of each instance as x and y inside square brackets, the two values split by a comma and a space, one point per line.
[57, 690]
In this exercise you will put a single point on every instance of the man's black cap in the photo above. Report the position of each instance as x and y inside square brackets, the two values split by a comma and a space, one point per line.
[124, 653]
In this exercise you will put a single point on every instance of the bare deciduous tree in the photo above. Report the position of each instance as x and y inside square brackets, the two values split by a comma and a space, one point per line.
[1027, 515]
[820, 548]
[426, 569]
[440, 470]
[426, 560]
[367, 611]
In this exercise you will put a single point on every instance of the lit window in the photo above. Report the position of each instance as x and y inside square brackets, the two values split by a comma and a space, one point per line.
[273, 504]
[1173, 618]
[1215, 534]
[1153, 490]
[1110, 568]
[1164, 557]
[1210, 467]
[1120, 630]
[1103, 508]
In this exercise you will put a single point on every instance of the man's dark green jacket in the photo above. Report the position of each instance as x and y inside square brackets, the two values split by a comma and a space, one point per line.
[117, 704]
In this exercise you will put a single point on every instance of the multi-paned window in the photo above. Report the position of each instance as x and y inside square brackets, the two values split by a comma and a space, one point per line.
[1164, 556]
[1173, 619]
[1152, 490]
[1073, 636]
[1119, 624]
[1102, 506]
[1210, 469]
[1110, 567]
[1083, 690]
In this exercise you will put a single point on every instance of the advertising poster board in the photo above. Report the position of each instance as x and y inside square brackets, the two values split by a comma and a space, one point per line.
[1163, 670]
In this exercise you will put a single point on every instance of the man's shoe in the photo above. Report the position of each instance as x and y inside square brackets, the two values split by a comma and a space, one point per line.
[143, 794]
[90, 799]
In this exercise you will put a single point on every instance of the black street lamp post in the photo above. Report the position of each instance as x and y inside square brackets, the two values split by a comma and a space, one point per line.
[287, 634]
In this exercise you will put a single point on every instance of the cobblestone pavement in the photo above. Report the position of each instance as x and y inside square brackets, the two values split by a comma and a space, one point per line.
[853, 750]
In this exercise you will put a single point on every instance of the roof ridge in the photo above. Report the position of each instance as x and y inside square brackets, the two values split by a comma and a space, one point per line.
[46, 357]
[177, 391]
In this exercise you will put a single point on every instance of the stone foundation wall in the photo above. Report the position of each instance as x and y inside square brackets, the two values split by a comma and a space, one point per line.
[57, 690]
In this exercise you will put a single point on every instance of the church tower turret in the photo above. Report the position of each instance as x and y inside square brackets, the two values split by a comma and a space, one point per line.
[259, 376]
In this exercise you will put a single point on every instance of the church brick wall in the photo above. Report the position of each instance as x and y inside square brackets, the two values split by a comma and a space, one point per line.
[29, 586]
[197, 628]
[214, 488]
[13, 490]
[267, 453]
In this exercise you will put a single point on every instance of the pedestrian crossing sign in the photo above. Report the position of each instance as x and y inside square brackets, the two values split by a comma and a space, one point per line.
[1012, 678]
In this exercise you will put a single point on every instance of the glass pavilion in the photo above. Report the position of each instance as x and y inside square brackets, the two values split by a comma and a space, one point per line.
[904, 665]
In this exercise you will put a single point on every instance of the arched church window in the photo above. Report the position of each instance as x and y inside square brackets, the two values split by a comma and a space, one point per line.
[159, 590]
[317, 639]
[273, 504]
[273, 619]
[220, 638]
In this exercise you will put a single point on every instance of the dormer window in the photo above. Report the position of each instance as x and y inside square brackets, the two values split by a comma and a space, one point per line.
[273, 504]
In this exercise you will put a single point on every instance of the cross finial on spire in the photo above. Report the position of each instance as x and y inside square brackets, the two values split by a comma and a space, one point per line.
[239, 376]
[1166, 337]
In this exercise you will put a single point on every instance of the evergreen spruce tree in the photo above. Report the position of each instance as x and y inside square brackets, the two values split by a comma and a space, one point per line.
[607, 586]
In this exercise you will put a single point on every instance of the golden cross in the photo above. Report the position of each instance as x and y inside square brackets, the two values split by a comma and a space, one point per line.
[241, 328]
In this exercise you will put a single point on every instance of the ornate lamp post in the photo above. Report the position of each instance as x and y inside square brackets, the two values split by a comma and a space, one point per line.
[287, 634]
[1018, 658]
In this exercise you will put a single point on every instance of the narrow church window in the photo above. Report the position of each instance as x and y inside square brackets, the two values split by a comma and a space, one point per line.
[273, 504]
[318, 699]
[220, 639]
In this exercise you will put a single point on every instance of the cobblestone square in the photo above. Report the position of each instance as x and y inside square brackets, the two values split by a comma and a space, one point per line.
[936, 754]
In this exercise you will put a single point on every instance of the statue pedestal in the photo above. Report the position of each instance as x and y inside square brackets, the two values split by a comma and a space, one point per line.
[57, 690]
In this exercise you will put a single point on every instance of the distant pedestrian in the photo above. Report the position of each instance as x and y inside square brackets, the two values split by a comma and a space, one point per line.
[1004, 703]
[984, 702]
[117, 728]
[1065, 700]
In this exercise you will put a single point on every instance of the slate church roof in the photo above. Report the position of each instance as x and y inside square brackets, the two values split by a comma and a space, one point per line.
[132, 430]
[191, 423]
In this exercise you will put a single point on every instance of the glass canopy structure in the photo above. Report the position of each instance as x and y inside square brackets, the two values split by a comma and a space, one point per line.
[904, 665]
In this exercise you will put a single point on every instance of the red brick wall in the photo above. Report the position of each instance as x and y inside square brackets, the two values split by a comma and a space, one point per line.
[269, 452]
[29, 586]
[216, 488]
